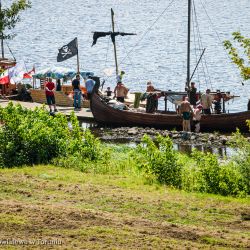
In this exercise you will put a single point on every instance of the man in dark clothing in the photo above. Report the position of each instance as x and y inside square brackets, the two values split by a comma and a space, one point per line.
[217, 102]
[77, 92]
[58, 85]
[192, 94]
[152, 103]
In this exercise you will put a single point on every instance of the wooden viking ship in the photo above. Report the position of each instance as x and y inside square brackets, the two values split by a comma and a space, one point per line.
[105, 114]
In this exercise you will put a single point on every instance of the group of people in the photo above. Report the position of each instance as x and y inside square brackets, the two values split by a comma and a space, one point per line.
[50, 88]
[120, 90]
[189, 109]
[90, 83]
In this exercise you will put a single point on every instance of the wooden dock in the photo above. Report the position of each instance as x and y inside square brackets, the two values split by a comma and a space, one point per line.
[83, 115]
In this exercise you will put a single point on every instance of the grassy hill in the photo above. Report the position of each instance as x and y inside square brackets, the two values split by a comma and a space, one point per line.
[66, 209]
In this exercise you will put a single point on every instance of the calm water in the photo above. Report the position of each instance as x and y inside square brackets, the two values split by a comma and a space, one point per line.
[160, 56]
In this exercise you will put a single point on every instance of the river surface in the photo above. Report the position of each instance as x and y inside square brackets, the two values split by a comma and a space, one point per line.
[157, 53]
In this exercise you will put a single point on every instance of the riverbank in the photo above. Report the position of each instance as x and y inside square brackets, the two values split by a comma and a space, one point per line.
[135, 134]
[74, 210]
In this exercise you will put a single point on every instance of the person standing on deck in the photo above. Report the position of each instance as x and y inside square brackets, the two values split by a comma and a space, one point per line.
[206, 102]
[108, 91]
[217, 102]
[50, 96]
[186, 111]
[120, 92]
[197, 118]
[90, 83]
[151, 88]
[77, 92]
[192, 95]
[58, 85]
[120, 76]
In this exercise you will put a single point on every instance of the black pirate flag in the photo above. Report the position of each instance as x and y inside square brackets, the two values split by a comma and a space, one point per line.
[67, 51]
[112, 34]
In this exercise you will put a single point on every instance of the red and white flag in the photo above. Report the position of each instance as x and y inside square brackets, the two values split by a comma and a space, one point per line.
[29, 74]
[4, 77]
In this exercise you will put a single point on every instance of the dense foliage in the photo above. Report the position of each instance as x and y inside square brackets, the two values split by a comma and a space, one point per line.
[240, 58]
[31, 137]
[242, 159]
[209, 176]
[200, 173]
[9, 17]
[158, 158]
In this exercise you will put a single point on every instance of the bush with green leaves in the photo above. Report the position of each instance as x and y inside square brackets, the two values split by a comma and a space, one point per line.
[159, 159]
[242, 158]
[208, 175]
[32, 137]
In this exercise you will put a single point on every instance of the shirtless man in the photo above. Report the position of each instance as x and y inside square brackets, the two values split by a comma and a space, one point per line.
[120, 92]
[186, 110]
[197, 118]
[206, 102]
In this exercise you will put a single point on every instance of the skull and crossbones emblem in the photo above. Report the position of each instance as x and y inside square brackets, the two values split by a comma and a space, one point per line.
[66, 51]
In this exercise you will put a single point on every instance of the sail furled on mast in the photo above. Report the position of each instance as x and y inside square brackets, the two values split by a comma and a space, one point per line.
[97, 35]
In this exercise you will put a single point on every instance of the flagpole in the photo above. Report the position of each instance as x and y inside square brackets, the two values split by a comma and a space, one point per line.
[77, 56]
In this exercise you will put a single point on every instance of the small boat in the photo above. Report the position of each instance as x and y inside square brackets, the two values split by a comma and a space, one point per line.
[105, 114]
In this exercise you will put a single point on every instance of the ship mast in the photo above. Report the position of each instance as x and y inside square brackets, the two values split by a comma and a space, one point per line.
[112, 34]
[188, 44]
[115, 53]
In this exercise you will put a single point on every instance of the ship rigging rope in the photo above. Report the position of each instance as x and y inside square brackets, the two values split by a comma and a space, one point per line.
[147, 30]
[128, 56]
[130, 60]
[195, 20]
[107, 52]
[195, 51]
[201, 47]
[10, 50]
[218, 36]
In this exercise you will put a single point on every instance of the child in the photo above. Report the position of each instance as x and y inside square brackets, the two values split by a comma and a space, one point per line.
[108, 91]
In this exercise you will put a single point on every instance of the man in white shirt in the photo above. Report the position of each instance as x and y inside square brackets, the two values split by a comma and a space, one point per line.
[206, 102]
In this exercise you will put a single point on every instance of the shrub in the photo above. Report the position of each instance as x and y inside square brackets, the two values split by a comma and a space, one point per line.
[242, 158]
[208, 175]
[158, 159]
[33, 137]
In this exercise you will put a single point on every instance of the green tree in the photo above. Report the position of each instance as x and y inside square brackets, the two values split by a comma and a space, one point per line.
[9, 17]
[240, 58]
